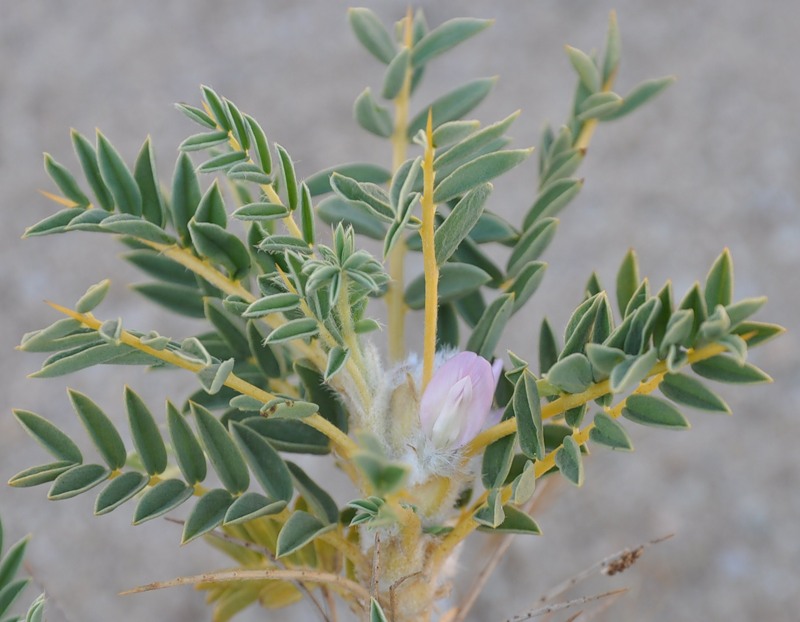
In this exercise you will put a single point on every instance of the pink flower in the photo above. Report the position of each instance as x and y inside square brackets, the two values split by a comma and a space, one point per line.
[458, 399]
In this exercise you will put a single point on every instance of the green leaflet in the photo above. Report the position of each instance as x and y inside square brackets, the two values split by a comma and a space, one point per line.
[395, 74]
[320, 183]
[363, 220]
[178, 298]
[211, 208]
[337, 357]
[719, 282]
[372, 34]
[160, 499]
[652, 411]
[726, 369]
[188, 451]
[531, 244]
[455, 281]
[259, 141]
[552, 198]
[453, 105]
[144, 172]
[196, 115]
[568, 461]
[145, 433]
[93, 297]
[527, 410]
[571, 374]
[497, 457]
[217, 107]
[206, 140]
[299, 530]
[689, 391]
[627, 280]
[478, 171]
[10, 593]
[446, 36]
[293, 329]
[472, 143]
[372, 116]
[492, 514]
[221, 247]
[609, 432]
[587, 70]
[58, 444]
[119, 490]
[630, 372]
[267, 466]
[371, 196]
[185, 196]
[11, 562]
[40, 474]
[319, 502]
[118, 178]
[452, 132]
[639, 95]
[251, 505]
[288, 178]
[207, 514]
[77, 480]
[65, 182]
[125, 224]
[459, 222]
[487, 331]
[376, 612]
[223, 454]
[581, 325]
[101, 430]
[87, 156]
[599, 106]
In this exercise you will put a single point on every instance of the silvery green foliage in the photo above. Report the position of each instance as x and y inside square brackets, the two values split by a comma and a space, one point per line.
[12, 585]
[288, 313]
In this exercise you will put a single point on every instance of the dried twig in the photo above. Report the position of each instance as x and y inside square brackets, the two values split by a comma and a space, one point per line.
[611, 565]
[262, 550]
[278, 574]
[494, 559]
[535, 613]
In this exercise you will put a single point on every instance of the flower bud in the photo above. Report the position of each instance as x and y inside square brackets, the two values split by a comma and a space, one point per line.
[458, 399]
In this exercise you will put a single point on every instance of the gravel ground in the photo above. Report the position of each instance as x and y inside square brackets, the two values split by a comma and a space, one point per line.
[712, 163]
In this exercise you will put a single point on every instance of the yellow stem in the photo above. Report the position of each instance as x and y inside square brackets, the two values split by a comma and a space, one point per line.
[394, 296]
[429, 257]
[344, 444]
[467, 525]
[564, 403]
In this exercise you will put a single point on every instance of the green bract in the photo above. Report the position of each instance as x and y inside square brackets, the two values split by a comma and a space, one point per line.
[289, 358]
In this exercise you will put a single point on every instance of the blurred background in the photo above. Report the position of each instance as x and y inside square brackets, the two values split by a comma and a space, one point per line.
[713, 162]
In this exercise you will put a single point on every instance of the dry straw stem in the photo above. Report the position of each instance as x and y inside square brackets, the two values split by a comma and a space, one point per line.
[343, 584]
[536, 613]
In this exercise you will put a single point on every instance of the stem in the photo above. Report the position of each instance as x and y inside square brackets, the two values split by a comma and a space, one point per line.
[344, 443]
[466, 525]
[311, 576]
[429, 257]
[394, 296]
[564, 403]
